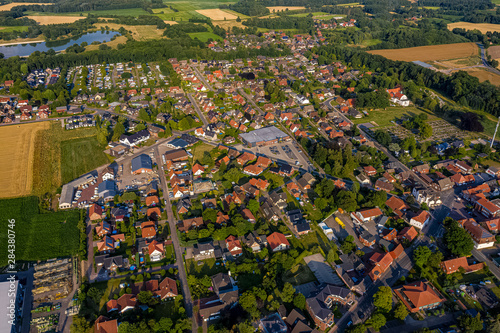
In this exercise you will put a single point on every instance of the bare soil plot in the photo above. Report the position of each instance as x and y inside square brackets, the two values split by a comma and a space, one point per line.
[170, 22]
[431, 52]
[284, 8]
[16, 158]
[7, 7]
[55, 19]
[217, 14]
[483, 27]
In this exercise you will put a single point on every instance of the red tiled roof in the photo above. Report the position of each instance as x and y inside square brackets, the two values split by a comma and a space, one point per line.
[276, 239]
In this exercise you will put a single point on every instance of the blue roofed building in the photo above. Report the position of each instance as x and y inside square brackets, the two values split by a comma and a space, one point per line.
[141, 164]
[106, 190]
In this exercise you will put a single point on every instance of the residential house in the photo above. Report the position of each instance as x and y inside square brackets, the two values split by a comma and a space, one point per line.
[482, 238]
[420, 295]
[233, 245]
[95, 212]
[255, 241]
[367, 214]
[408, 233]
[277, 242]
[420, 219]
[453, 265]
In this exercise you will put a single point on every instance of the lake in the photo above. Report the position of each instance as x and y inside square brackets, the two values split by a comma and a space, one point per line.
[24, 50]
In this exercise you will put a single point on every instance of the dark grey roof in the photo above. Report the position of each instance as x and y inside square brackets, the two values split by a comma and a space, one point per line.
[263, 134]
[319, 308]
[274, 324]
[301, 227]
[136, 136]
[141, 161]
[178, 143]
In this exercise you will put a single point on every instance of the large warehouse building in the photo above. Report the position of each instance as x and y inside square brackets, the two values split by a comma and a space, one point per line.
[264, 137]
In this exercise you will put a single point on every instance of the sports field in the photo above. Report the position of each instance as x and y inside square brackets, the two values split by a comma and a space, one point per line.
[54, 19]
[38, 236]
[16, 158]
[431, 52]
[483, 27]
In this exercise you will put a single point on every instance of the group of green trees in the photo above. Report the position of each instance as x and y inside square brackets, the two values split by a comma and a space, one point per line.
[304, 24]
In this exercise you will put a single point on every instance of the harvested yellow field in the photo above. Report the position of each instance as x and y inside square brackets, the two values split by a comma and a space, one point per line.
[284, 8]
[484, 75]
[113, 44]
[16, 158]
[431, 52]
[170, 22]
[217, 14]
[9, 6]
[138, 32]
[483, 27]
[55, 19]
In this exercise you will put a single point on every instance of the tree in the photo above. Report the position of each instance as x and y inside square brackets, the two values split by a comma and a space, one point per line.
[249, 303]
[80, 325]
[332, 256]
[383, 299]
[394, 147]
[377, 320]
[287, 293]
[348, 245]
[425, 131]
[118, 130]
[359, 328]
[457, 239]
[383, 137]
[210, 215]
[299, 301]
[424, 206]
[401, 312]
[470, 122]
[421, 255]
[253, 205]
[470, 324]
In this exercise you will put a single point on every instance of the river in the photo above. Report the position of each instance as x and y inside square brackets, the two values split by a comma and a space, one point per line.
[24, 50]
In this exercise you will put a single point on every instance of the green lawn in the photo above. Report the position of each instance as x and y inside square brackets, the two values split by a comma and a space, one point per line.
[384, 117]
[199, 149]
[209, 267]
[314, 239]
[10, 29]
[79, 156]
[37, 236]
[298, 275]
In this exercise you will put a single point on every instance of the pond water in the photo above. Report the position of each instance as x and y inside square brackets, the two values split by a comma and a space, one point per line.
[24, 50]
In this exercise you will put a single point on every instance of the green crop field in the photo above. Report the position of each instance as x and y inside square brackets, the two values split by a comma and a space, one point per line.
[16, 28]
[168, 14]
[204, 36]
[318, 15]
[121, 12]
[79, 156]
[37, 236]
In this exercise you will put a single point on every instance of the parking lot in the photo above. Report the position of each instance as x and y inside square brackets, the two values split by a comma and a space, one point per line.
[286, 152]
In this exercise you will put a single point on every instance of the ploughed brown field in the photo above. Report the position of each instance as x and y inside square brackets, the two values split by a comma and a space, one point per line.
[483, 27]
[55, 19]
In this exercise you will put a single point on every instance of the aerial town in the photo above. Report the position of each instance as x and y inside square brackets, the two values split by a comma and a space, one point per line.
[294, 187]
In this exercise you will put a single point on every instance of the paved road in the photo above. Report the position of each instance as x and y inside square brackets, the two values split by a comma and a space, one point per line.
[202, 78]
[491, 265]
[175, 241]
[197, 108]
[411, 325]
[485, 62]
[251, 101]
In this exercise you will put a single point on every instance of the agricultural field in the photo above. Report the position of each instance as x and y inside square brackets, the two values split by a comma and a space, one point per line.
[79, 156]
[49, 160]
[217, 14]
[483, 27]
[494, 52]
[431, 52]
[204, 36]
[138, 32]
[16, 158]
[54, 19]
[38, 236]
[484, 75]
[274, 9]
[168, 14]
[7, 7]
[352, 4]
